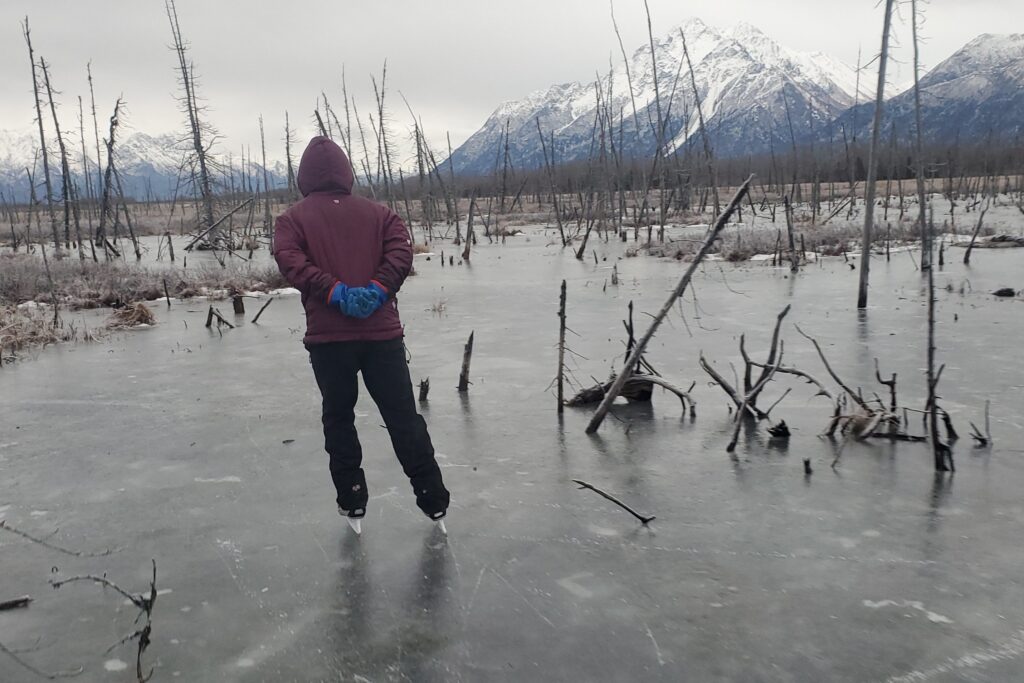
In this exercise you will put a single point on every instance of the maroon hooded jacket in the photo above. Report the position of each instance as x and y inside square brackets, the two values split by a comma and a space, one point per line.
[333, 236]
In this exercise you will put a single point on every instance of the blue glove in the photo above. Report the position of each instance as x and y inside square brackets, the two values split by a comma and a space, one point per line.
[365, 301]
[338, 298]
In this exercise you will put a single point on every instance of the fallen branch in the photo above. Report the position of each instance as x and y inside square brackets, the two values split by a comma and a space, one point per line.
[822, 391]
[856, 398]
[39, 672]
[728, 388]
[73, 553]
[898, 436]
[221, 320]
[145, 605]
[643, 520]
[746, 402]
[641, 345]
[636, 386]
[223, 218]
[16, 603]
[262, 308]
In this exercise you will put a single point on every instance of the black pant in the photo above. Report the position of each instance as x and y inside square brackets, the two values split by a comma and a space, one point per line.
[386, 375]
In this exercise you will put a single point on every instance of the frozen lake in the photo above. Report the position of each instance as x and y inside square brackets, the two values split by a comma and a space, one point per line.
[170, 443]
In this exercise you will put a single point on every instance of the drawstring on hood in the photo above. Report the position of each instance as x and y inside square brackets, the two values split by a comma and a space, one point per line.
[324, 168]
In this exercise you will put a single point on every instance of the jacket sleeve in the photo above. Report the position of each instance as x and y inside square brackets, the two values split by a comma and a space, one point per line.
[396, 260]
[293, 261]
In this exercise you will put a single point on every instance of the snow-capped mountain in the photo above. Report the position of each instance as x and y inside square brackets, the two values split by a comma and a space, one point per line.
[976, 93]
[745, 82]
[149, 165]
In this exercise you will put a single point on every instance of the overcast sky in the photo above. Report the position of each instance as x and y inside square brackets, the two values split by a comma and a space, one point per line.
[455, 60]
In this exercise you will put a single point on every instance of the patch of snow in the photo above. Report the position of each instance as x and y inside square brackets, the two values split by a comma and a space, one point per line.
[115, 665]
[933, 617]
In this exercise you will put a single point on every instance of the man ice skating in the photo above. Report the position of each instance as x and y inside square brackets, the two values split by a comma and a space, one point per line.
[349, 256]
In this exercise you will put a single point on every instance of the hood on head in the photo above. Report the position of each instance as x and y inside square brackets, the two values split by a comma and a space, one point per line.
[324, 168]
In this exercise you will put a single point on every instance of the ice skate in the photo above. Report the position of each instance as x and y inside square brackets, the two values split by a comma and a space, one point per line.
[438, 518]
[354, 519]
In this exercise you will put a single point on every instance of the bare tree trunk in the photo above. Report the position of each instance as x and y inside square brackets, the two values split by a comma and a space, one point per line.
[268, 222]
[872, 171]
[192, 111]
[124, 206]
[42, 141]
[561, 350]
[108, 185]
[67, 183]
[926, 238]
[90, 196]
[469, 227]
[384, 150]
[712, 179]
[794, 262]
[974, 237]
[554, 189]
[292, 188]
[467, 356]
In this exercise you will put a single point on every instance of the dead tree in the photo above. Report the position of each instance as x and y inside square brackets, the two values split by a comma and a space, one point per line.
[108, 183]
[95, 129]
[190, 105]
[383, 148]
[42, 140]
[709, 157]
[638, 350]
[289, 139]
[872, 171]
[548, 166]
[926, 237]
[866, 418]
[974, 236]
[561, 350]
[467, 356]
[746, 400]
[752, 396]
[89, 194]
[268, 223]
[943, 454]
[67, 182]
[124, 208]
[470, 235]
[794, 262]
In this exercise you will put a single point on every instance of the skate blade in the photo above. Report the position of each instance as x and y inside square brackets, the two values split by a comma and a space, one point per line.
[356, 524]
[442, 527]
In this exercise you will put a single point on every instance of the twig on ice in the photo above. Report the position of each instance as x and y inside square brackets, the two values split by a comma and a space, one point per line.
[74, 553]
[39, 672]
[643, 520]
[16, 603]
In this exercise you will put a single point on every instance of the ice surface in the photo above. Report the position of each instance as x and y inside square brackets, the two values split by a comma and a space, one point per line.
[751, 572]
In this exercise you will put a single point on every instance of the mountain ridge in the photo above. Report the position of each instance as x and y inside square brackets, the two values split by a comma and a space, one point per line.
[751, 90]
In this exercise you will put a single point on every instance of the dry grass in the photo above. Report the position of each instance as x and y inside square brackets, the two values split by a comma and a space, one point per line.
[131, 316]
[93, 285]
[26, 328]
